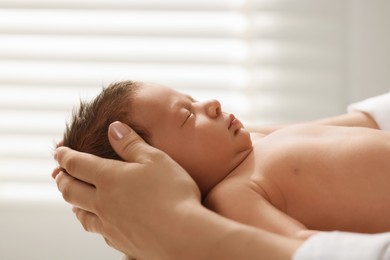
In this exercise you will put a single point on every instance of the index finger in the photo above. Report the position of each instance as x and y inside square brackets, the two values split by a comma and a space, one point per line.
[82, 166]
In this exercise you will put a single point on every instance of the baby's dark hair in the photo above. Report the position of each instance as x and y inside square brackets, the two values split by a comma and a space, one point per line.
[87, 130]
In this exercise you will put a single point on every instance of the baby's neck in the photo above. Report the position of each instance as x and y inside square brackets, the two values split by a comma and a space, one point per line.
[239, 160]
[255, 138]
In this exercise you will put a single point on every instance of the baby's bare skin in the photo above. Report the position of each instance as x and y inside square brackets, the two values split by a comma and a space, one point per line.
[311, 177]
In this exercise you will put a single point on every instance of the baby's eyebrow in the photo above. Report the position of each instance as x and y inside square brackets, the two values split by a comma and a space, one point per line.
[183, 102]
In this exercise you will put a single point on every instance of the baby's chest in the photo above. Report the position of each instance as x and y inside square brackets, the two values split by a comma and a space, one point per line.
[307, 177]
[291, 175]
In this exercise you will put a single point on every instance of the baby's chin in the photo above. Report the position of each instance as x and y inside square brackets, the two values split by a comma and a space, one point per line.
[255, 137]
[246, 142]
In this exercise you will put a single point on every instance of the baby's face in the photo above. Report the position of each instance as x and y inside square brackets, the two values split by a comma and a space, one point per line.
[205, 141]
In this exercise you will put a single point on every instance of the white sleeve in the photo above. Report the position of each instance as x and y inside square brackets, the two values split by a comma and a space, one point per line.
[343, 245]
[377, 107]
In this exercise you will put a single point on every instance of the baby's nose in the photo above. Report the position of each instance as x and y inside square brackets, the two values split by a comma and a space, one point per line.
[214, 108]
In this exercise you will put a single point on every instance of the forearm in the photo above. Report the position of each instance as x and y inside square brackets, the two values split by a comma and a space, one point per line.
[215, 237]
[357, 119]
[255, 244]
[372, 112]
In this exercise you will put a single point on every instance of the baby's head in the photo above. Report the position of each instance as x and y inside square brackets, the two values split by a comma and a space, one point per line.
[87, 130]
[207, 142]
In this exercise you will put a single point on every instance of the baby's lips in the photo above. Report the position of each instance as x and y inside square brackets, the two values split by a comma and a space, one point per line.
[231, 121]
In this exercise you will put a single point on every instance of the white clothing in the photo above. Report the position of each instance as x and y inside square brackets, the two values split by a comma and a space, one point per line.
[345, 246]
[377, 107]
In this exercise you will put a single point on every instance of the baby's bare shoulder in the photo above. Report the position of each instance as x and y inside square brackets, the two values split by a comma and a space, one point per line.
[221, 193]
[233, 193]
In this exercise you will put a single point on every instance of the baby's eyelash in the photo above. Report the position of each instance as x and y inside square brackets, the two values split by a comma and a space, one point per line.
[189, 114]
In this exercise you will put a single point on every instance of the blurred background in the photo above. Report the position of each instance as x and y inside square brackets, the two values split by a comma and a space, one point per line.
[267, 61]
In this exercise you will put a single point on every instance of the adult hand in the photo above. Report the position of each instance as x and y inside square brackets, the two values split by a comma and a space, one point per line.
[136, 204]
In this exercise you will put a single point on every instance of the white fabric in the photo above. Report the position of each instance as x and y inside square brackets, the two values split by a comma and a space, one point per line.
[344, 246]
[378, 107]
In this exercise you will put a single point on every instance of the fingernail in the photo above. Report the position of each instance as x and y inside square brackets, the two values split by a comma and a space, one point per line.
[119, 130]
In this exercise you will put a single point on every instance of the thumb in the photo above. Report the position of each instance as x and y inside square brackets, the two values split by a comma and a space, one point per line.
[127, 143]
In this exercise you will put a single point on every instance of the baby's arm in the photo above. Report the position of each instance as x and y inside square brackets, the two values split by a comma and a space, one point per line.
[245, 205]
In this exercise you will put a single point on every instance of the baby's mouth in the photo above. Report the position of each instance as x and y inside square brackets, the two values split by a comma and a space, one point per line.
[233, 122]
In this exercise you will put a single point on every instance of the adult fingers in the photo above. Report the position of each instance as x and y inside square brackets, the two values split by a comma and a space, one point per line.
[55, 172]
[92, 223]
[129, 145]
[76, 192]
[60, 143]
[82, 166]
[89, 221]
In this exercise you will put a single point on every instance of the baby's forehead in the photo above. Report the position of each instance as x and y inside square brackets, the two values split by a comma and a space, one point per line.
[160, 95]
[155, 89]
[153, 102]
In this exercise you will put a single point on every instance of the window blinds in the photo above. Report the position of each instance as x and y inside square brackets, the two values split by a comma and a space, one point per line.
[267, 61]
